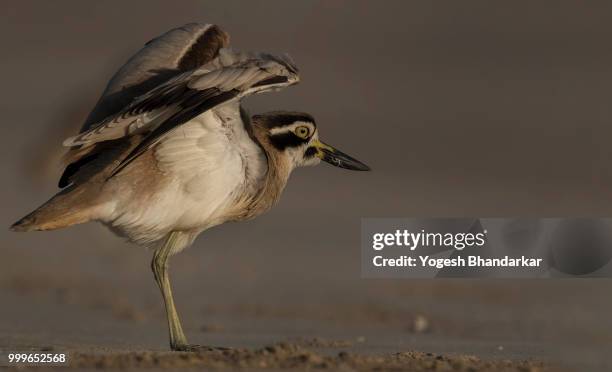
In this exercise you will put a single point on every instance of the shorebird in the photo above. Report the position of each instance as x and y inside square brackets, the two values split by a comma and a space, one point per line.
[168, 151]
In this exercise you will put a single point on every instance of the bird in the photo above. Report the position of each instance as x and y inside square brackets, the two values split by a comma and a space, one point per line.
[168, 151]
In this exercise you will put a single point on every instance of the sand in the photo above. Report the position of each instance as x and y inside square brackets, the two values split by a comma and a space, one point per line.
[287, 356]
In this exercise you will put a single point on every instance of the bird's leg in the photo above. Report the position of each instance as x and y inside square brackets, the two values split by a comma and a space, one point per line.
[159, 264]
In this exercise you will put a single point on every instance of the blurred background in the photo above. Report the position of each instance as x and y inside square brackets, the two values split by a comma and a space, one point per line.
[467, 109]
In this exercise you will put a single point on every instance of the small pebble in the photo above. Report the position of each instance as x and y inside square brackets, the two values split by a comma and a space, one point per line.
[420, 324]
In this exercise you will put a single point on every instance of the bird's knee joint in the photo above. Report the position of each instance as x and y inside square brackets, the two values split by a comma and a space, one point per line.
[158, 266]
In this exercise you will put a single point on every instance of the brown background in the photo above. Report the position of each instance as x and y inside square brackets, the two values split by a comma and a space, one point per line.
[461, 108]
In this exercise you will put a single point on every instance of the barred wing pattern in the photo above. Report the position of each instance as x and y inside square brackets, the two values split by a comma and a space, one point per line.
[229, 77]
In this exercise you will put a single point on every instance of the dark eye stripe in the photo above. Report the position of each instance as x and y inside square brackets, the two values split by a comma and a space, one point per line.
[283, 140]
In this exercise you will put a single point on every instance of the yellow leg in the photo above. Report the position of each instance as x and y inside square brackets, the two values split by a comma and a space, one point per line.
[159, 264]
[174, 242]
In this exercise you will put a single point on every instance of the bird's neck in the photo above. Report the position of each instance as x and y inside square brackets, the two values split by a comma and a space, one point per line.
[279, 169]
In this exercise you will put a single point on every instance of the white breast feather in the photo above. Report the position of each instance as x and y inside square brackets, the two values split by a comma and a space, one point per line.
[208, 167]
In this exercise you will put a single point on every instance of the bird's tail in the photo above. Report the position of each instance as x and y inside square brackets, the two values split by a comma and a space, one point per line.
[64, 209]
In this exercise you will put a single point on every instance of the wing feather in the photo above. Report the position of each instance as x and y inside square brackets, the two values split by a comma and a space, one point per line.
[179, 50]
[150, 106]
[188, 95]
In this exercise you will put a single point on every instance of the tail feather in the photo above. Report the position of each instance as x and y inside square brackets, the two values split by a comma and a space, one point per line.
[64, 209]
[27, 223]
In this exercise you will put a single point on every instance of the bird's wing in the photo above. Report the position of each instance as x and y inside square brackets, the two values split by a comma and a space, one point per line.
[179, 50]
[229, 77]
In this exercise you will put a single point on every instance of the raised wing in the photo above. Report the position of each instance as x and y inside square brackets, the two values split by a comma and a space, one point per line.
[229, 77]
[179, 50]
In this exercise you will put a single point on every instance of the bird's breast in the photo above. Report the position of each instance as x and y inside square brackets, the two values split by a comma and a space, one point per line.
[215, 165]
[209, 170]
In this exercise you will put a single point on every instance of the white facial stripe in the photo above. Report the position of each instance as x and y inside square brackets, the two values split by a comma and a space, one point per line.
[291, 128]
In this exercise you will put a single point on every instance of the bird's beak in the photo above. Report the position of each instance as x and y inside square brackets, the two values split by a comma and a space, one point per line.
[337, 158]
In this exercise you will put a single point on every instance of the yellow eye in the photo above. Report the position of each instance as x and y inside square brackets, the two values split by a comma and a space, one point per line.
[302, 131]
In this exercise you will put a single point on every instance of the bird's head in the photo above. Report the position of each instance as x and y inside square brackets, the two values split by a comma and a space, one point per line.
[295, 136]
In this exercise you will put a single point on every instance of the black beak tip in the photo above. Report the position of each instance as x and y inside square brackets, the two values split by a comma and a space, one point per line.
[342, 160]
[362, 167]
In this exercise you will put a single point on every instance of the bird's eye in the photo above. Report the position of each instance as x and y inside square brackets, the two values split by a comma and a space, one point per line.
[302, 131]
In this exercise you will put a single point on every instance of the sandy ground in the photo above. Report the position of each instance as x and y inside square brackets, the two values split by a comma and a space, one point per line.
[464, 109]
[343, 350]
[291, 356]
[277, 311]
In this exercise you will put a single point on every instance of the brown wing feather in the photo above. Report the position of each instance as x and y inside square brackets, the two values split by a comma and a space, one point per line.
[176, 51]
[231, 76]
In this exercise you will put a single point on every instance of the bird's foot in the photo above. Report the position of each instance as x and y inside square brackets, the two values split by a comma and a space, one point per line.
[193, 348]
